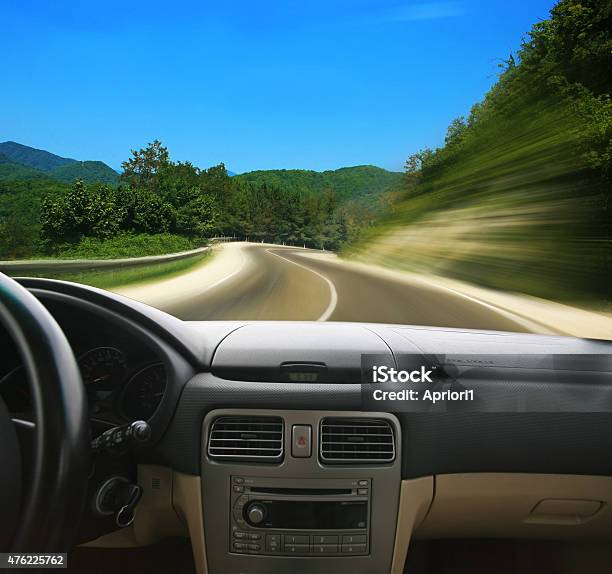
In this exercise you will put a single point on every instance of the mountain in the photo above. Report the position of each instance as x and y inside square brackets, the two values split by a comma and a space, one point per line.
[358, 182]
[20, 162]
[89, 171]
[16, 172]
[9, 170]
[32, 157]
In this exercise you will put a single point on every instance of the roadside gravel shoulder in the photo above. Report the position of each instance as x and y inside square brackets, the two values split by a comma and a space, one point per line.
[542, 315]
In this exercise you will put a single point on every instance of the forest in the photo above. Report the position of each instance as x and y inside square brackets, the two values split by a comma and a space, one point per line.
[160, 206]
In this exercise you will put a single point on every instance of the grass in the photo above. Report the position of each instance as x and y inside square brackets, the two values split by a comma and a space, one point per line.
[125, 245]
[107, 279]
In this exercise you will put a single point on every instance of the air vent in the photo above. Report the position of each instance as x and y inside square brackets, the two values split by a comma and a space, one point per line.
[345, 440]
[246, 438]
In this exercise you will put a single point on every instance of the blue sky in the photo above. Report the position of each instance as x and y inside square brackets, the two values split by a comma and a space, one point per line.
[257, 84]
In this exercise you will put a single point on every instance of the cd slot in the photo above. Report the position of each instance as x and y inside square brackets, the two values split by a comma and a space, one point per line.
[301, 491]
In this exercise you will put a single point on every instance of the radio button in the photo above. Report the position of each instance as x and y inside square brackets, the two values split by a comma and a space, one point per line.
[353, 549]
[238, 480]
[254, 546]
[325, 540]
[363, 483]
[273, 542]
[254, 536]
[325, 549]
[240, 535]
[297, 548]
[238, 488]
[354, 539]
[360, 491]
[241, 501]
[296, 539]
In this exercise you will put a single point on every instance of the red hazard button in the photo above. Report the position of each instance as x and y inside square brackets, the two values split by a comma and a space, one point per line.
[301, 444]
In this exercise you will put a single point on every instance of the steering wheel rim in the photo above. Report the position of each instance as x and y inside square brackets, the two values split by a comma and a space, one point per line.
[53, 500]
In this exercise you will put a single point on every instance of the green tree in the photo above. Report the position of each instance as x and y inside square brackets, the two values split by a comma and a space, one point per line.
[145, 165]
[144, 211]
[455, 132]
[197, 215]
[68, 218]
[107, 214]
[416, 163]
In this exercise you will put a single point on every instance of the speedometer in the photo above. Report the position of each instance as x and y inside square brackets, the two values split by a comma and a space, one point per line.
[101, 365]
[144, 392]
[102, 369]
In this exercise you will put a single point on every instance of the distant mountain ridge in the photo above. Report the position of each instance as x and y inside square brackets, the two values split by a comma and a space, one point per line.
[356, 182]
[21, 162]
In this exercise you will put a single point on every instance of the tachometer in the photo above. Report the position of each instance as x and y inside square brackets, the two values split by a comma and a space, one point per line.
[144, 392]
[102, 370]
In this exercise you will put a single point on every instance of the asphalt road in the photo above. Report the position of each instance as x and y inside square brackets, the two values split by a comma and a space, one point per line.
[280, 283]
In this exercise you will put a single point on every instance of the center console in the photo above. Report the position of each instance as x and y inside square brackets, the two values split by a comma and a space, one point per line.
[317, 487]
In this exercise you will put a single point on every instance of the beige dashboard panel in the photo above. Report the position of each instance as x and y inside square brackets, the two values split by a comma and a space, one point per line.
[415, 500]
[187, 499]
[497, 505]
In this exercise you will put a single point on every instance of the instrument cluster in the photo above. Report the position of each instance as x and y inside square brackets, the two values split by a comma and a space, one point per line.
[120, 386]
[116, 388]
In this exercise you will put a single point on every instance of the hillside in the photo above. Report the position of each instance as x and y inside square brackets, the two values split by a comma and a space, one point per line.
[21, 162]
[15, 172]
[518, 197]
[364, 181]
[88, 171]
[32, 157]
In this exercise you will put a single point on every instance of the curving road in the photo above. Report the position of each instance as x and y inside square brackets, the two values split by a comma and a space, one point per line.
[283, 283]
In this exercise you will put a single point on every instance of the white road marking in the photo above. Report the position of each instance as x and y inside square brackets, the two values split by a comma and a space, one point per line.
[332, 288]
[394, 275]
[224, 279]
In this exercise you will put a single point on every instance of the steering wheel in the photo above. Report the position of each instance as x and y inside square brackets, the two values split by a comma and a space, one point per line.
[41, 512]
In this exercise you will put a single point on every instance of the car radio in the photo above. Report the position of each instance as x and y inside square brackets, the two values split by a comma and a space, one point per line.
[308, 517]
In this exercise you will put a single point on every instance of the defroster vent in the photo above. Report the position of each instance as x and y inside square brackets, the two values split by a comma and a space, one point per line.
[348, 440]
[246, 438]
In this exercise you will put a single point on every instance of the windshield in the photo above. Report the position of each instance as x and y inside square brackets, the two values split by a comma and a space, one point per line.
[434, 163]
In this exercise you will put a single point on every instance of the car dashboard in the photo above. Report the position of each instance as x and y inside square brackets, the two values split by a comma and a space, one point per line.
[248, 453]
[124, 378]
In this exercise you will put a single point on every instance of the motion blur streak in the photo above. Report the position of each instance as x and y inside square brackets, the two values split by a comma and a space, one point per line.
[512, 207]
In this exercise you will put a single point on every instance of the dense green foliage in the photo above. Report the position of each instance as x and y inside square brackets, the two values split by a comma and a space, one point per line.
[20, 202]
[156, 197]
[18, 161]
[347, 183]
[17, 172]
[128, 245]
[519, 196]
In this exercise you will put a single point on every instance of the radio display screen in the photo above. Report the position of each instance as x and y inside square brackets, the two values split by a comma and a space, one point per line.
[307, 515]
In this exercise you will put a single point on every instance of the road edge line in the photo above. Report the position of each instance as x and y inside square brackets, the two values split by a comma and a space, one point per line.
[332, 288]
[532, 325]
